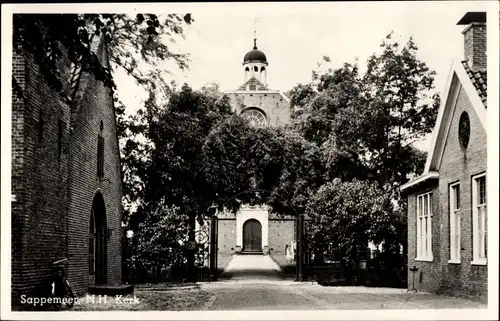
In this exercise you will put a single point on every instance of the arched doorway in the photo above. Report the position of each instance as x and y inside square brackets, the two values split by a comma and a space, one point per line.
[98, 242]
[252, 236]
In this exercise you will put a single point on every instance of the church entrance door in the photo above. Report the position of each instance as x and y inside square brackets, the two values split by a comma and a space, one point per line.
[252, 236]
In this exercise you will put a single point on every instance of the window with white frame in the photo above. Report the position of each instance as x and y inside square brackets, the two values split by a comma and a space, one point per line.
[455, 223]
[424, 227]
[479, 220]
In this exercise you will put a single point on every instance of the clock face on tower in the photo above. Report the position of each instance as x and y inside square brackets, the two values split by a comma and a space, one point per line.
[464, 130]
[255, 117]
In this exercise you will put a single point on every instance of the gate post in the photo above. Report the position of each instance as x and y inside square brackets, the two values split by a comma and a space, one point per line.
[300, 248]
[297, 247]
[213, 247]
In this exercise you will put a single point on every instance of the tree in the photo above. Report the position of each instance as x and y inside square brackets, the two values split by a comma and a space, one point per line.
[261, 165]
[365, 126]
[160, 240]
[327, 113]
[172, 170]
[346, 216]
[369, 122]
[401, 105]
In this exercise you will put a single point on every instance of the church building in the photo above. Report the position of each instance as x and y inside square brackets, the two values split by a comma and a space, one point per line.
[255, 229]
[66, 176]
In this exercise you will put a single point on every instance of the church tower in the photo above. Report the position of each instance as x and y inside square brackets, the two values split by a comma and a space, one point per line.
[254, 229]
[253, 99]
[255, 65]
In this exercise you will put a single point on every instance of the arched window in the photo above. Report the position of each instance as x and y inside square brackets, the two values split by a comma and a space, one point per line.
[255, 68]
[254, 117]
[100, 157]
[262, 69]
[247, 69]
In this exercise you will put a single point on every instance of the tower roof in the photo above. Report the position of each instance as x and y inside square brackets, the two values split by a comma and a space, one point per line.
[255, 54]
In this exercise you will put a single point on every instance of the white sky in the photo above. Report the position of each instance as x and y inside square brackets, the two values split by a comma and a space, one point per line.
[295, 36]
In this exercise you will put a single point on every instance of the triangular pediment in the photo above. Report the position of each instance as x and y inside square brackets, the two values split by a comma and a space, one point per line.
[458, 79]
[252, 84]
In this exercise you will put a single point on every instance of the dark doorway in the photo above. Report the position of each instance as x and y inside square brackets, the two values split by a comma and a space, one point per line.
[98, 241]
[252, 236]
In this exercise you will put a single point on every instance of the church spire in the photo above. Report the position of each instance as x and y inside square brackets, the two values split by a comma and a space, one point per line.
[254, 34]
[255, 61]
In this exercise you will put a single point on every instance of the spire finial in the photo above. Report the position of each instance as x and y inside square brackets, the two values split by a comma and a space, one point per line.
[254, 34]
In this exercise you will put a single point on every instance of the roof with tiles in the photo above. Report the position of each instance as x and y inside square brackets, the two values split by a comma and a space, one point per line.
[478, 79]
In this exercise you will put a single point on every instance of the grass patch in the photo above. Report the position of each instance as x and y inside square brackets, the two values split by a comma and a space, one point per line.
[161, 298]
[288, 269]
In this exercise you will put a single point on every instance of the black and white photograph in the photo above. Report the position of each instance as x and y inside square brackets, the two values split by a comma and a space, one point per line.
[267, 160]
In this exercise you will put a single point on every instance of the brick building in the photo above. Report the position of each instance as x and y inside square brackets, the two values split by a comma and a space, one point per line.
[254, 228]
[66, 177]
[447, 216]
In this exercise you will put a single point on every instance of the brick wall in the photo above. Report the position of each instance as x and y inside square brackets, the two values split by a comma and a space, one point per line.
[276, 108]
[39, 178]
[428, 277]
[281, 232]
[226, 236]
[17, 171]
[54, 190]
[460, 165]
[96, 105]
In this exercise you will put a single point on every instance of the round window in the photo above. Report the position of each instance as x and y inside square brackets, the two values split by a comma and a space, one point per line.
[464, 130]
[255, 117]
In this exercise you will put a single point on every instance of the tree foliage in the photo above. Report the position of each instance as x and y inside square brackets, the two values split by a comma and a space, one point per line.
[345, 217]
[160, 239]
[401, 106]
[178, 137]
[369, 122]
[167, 168]
[365, 126]
[349, 214]
[132, 43]
[275, 162]
[340, 162]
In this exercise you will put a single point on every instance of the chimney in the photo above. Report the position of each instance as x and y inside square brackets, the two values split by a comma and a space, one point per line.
[475, 39]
